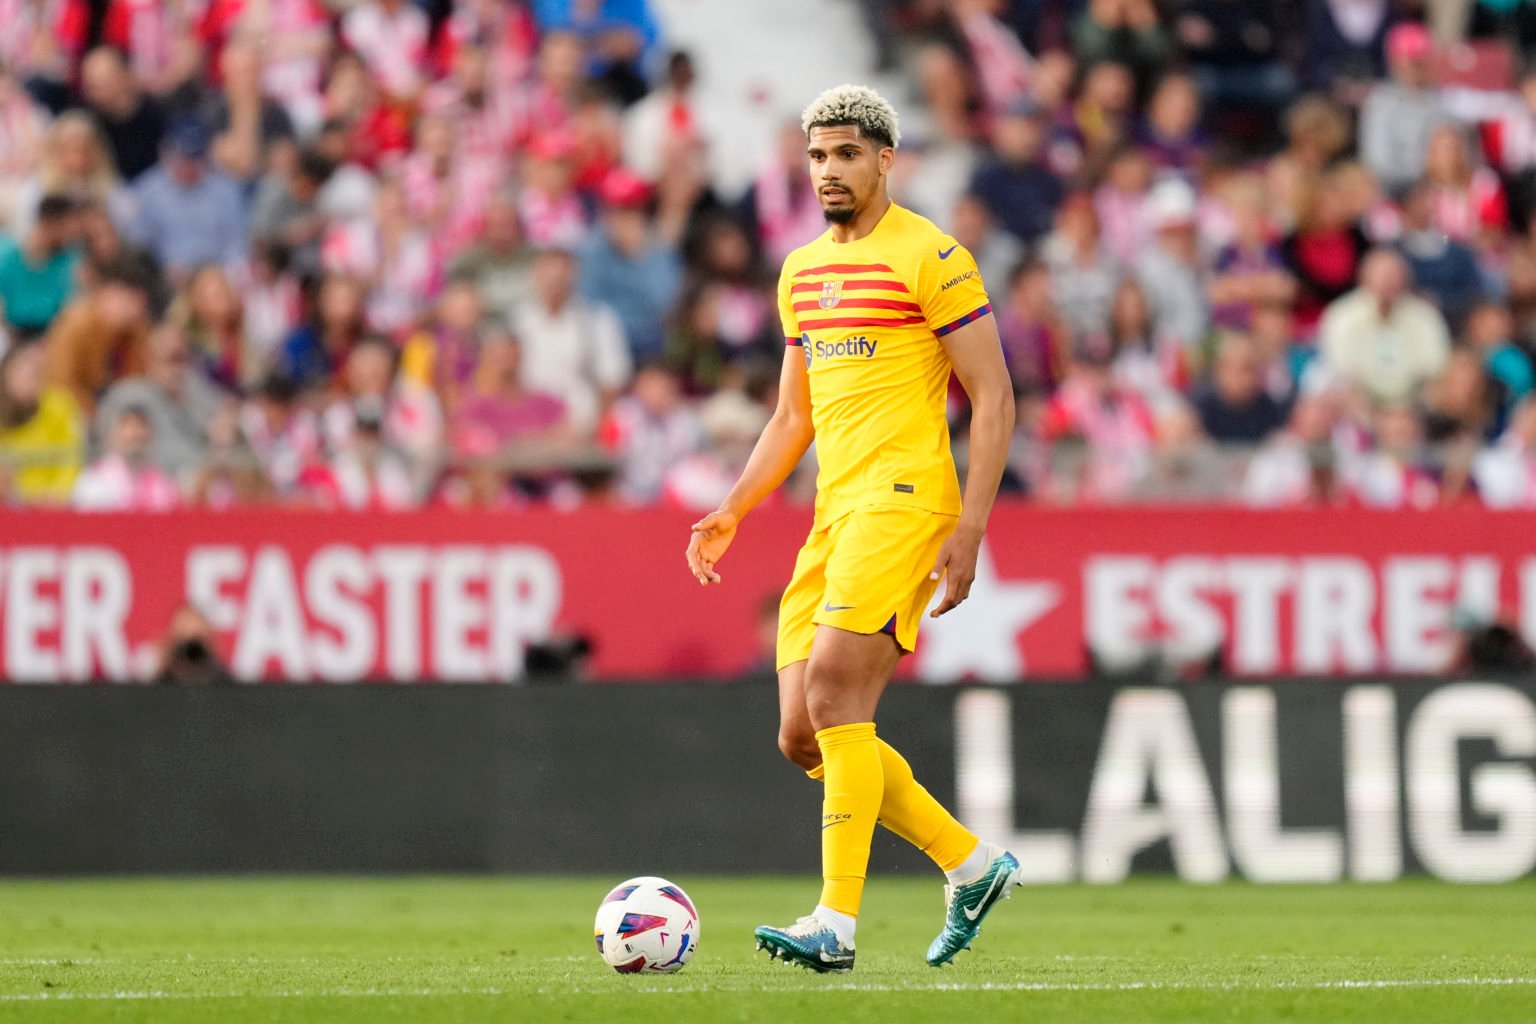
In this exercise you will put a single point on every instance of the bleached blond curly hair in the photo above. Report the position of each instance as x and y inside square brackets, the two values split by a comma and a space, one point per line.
[856, 105]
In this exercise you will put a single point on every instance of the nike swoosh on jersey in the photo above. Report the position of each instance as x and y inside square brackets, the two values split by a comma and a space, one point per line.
[829, 607]
[944, 253]
[971, 915]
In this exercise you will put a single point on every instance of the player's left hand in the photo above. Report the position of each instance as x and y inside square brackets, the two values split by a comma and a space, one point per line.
[957, 561]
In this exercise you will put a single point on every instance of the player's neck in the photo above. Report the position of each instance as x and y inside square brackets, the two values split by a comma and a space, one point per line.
[863, 224]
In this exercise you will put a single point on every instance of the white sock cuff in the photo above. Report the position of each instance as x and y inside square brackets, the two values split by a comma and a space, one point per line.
[841, 923]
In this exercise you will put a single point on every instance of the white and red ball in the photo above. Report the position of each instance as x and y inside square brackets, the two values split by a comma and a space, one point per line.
[647, 925]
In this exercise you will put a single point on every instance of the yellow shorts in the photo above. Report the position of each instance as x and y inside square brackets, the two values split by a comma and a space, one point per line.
[866, 572]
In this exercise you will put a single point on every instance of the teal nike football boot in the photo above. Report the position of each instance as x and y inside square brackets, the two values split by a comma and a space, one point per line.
[966, 906]
[808, 943]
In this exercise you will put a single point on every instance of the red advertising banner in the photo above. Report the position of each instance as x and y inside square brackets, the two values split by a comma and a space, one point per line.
[461, 596]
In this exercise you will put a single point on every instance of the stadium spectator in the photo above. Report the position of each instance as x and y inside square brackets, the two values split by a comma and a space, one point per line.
[1343, 45]
[1169, 271]
[1121, 203]
[1083, 273]
[499, 262]
[131, 121]
[175, 397]
[651, 430]
[481, 108]
[1035, 337]
[1113, 421]
[1249, 270]
[400, 268]
[208, 312]
[1324, 251]
[446, 190]
[365, 473]
[189, 213]
[1505, 473]
[104, 331]
[74, 162]
[1126, 32]
[1463, 403]
[284, 437]
[1234, 408]
[124, 479]
[23, 128]
[315, 350]
[295, 40]
[551, 211]
[42, 435]
[571, 349]
[411, 418]
[1444, 270]
[391, 36]
[1300, 465]
[498, 411]
[1469, 204]
[1401, 114]
[245, 122]
[446, 351]
[781, 207]
[667, 117]
[629, 268]
[38, 272]
[1171, 133]
[996, 252]
[287, 212]
[1395, 474]
[1016, 186]
[1236, 52]
[1490, 332]
[1385, 340]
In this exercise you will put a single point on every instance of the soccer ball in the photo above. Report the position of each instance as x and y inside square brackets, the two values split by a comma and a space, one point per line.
[647, 925]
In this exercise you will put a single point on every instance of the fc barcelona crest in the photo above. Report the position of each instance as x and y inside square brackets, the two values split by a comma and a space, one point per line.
[831, 294]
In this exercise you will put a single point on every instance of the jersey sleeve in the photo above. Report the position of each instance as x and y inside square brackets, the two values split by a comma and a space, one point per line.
[787, 318]
[949, 287]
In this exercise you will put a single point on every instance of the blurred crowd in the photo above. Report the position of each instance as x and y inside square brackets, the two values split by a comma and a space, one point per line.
[390, 254]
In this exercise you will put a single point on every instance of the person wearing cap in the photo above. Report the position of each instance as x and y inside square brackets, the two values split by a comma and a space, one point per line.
[1400, 115]
[1169, 272]
[189, 213]
[627, 267]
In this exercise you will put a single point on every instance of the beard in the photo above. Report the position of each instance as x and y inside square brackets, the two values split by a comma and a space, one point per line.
[842, 213]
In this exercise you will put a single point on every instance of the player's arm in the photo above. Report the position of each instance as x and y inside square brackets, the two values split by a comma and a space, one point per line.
[778, 451]
[976, 354]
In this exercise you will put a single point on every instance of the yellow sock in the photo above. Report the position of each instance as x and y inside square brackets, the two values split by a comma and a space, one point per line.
[849, 807]
[910, 811]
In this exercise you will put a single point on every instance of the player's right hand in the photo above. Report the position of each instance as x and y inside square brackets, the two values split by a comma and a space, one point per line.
[711, 536]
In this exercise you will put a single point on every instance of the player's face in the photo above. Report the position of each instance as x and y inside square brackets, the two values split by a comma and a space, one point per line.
[846, 169]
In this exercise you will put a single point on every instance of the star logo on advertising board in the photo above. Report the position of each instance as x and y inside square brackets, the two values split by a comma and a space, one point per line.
[980, 639]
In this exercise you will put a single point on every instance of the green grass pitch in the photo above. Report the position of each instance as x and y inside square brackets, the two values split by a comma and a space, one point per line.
[520, 950]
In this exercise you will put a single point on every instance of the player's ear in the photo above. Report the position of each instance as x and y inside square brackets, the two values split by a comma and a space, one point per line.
[887, 158]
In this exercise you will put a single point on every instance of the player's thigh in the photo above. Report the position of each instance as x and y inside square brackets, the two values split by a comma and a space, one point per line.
[802, 597]
[846, 674]
[878, 575]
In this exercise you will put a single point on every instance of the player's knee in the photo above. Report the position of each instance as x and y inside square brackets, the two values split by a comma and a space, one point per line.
[828, 696]
[800, 748]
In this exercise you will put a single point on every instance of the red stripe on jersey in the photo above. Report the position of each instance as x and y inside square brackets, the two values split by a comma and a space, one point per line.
[845, 268]
[853, 285]
[861, 321]
[909, 307]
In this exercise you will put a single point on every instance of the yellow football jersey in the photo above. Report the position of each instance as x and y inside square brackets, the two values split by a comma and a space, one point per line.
[869, 315]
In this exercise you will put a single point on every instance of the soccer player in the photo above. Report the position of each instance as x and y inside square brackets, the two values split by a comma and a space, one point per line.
[877, 312]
